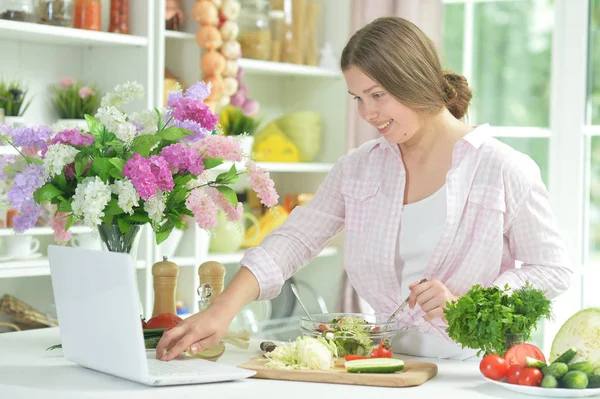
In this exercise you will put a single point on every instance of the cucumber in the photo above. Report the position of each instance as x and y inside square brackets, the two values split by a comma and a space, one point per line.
[535, 363]
[575, 380]
[151, 343]
[584, 366]
[556, 370]
[375, 365]
[594, 380]
[549, 382]
[566, 357]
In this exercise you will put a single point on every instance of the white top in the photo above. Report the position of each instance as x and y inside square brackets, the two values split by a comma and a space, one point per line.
[421, 228]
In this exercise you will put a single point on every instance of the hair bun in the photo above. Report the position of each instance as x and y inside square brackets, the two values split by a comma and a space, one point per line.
[457, 94]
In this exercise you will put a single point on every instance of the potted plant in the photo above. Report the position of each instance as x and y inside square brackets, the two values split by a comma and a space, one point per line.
[13, 95]
[73, 100]
[234, 122]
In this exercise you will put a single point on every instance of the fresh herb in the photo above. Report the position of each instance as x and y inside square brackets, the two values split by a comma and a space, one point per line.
[482, 318]
[234, 122]
[13, 95]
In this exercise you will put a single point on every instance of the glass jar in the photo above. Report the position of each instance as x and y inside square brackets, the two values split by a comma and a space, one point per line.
[119, 16]
[255, 34]
[87, 14]
[514, 340]
[17, 10]
[55, 12]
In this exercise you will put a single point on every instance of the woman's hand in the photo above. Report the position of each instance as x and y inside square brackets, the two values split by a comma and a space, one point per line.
[198, 332]
[431, 296]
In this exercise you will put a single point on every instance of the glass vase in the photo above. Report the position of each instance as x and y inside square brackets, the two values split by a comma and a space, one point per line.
[114, 240]
[514, 339]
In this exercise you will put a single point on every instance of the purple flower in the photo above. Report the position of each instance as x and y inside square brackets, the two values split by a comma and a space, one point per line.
[181, 158]
[194, 127]
[27, 217]
[31, 136]
[199, 91]
[173, 97]
[25, 184]
[139, 170]
[194, 110]
[71, 137]
[162, 173]
[5, 160]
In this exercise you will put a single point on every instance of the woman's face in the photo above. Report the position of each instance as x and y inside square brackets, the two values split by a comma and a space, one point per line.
[394, 121]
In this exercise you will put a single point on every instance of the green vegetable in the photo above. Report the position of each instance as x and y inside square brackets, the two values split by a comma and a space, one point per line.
[375, 365]
[351, 335]
[535, 363]
[482, 318]
[567, 356]
[304, 353]
[151, 343]
[594, 379]
[585, 366]
[556, 370]
[575, 380]
[581, 331]
[549, 382]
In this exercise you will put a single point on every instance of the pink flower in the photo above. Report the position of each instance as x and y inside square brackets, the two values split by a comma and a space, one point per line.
[250, 107]
[186, 108]
[262, 184]
[72, 137]
[203, 208]
[85, 92]
[233, 213]
[30, 151]
[182, 158]
[162, 173]
[139, 170]
[214, 146]
[59, 223]
[67, 81]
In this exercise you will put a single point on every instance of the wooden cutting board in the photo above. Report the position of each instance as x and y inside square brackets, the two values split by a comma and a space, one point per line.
[414, 373]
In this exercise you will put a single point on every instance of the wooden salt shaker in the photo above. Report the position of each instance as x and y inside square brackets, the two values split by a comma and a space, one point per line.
[212, 273]
[165, 283]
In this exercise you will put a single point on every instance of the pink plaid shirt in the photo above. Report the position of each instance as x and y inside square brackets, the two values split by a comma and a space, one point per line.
[498, 213]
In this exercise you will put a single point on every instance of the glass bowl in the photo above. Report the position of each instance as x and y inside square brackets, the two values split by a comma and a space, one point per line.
[352, 333]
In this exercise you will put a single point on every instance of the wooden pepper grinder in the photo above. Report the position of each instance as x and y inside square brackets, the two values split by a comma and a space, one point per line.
[165, 283]
[212, 273]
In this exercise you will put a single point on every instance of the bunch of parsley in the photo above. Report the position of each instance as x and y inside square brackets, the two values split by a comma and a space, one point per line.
[482, 318]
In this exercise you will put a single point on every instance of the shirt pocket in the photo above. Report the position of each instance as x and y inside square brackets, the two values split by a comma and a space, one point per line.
[489, 198]
[361, 203]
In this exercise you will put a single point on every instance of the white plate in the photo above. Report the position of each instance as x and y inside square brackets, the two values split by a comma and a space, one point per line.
[548, 392]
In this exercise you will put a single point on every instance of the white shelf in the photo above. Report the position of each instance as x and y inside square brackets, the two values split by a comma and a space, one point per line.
[291, 167]
[35, 267]
[236, 257]
[43, 231]
[38, 33]
[183, 261]
[175, 35]
[8, 150]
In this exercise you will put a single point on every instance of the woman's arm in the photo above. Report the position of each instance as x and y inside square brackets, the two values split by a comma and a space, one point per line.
[534, 239]
[303, 236]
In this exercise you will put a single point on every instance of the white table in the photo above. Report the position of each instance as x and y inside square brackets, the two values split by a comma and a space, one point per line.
[27, 370]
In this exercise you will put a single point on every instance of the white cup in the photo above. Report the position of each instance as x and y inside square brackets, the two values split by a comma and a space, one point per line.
[21, 247]
[87, 241]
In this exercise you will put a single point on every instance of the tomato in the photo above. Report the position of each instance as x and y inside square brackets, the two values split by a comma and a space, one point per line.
[513, 373]
[323, 328]
[163, 320]
[518, 353]
[493, 367]
[144, 324]
[382, 351]
[530, 376]
[354, 357]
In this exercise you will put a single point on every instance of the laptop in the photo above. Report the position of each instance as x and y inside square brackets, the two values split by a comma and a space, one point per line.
[99, 321]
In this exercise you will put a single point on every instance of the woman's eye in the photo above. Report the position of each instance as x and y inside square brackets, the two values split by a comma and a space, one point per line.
[377, 95]
[357, 98]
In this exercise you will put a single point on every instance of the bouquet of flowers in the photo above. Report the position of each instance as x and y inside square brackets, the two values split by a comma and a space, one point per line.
[131, 169]
[73, 99]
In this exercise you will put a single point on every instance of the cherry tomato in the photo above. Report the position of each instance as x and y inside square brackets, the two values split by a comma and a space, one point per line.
[354, 357]
[163, 320]
[513, 373]
[530, 376]
[144, 324]
[518, 353]
[493, 367]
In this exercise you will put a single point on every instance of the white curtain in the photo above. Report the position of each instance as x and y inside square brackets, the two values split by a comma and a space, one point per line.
[427, 15]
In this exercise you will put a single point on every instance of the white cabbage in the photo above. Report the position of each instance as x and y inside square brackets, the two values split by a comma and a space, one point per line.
[582, 332]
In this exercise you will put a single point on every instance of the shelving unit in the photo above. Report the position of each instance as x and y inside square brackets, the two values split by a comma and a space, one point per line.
[108, 59]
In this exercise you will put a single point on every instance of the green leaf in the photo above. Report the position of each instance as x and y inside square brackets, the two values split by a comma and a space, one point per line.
[101, 167]
[228, 177]
[139, 218]
[60, 181]
[123, 225]
[71, 219]
[210, 163]
[164, 231]
[34, 160]
[118, 163]
[113, 208]
[143, 144]
[65, 206]
[177, 196]
[81, 163]
[229, 194]
[182, 179]
[173, 133]
[94, 126]
[46, 193]
[117, 174]
[159, 124]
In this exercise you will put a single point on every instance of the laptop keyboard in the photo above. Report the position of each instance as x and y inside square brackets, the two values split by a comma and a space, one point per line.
[172, 368]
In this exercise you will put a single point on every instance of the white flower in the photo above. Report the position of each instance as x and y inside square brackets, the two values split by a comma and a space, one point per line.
[155, 206]
[57, 157]
[148, 121]
[116, 122]
[123, 94]
[128, 197]
[91, 197]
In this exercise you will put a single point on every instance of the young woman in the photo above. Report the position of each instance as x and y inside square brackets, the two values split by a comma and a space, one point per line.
[431, 198]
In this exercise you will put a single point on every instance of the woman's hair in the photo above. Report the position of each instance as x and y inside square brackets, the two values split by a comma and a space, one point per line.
[404, 61]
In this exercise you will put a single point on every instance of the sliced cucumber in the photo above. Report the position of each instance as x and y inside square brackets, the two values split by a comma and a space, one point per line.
[535, 363]
[375, 365]
[567, 356]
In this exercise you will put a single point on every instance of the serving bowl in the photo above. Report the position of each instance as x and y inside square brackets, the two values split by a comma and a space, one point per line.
[352, 333]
